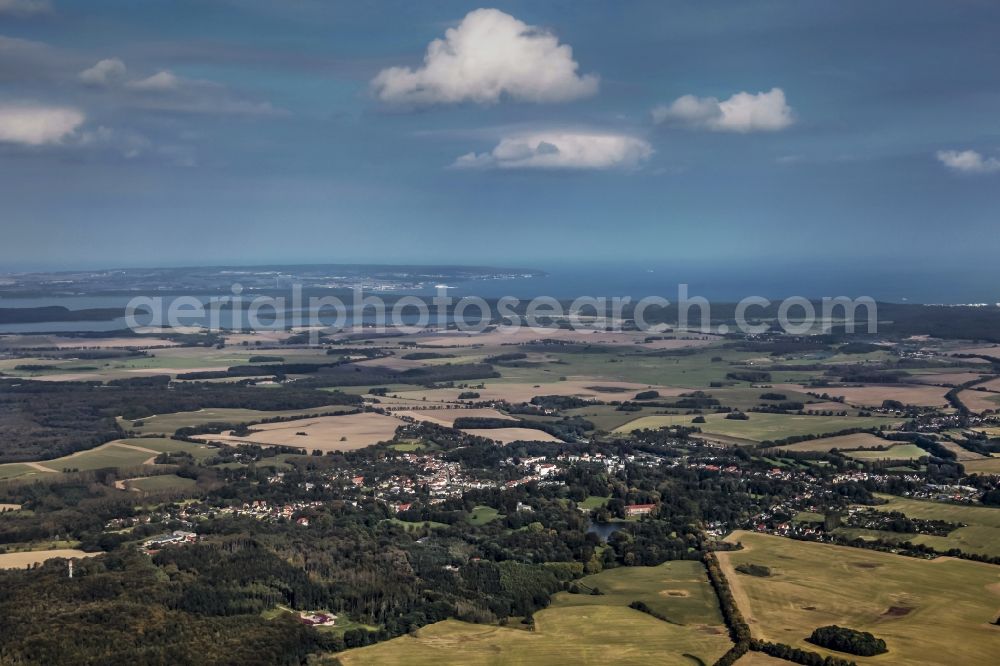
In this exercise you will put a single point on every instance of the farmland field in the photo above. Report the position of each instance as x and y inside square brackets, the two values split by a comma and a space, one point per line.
[119, 453]
[167, 424]
[582, 628]
[861, 440]
[522, 391]
[26, 559]
[760, 659]
[897, 452]
[483, 514]
[163, 482]
[814, 585]
[872, 395]
[979, 401]
[446, 417]
[983, 466]
[981, 536]
[507, 435]
[760, 427]
[326, 433]
[14, 470]
[593, 502]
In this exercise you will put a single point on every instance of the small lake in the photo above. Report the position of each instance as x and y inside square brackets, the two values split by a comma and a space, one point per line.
[604, 530]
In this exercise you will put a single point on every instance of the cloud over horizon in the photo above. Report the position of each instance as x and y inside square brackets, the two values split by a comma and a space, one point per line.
[561, 150]
[968, 161]
[107, 72]
[24, 7]
[36, 125]
[743, 112]
[488, 56]
[166, 91]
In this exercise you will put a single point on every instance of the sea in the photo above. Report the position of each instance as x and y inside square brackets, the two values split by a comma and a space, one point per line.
[899, 282]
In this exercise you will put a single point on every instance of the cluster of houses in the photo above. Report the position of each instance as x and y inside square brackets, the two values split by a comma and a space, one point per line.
[319, 619]
[263, 510]
[175, 538]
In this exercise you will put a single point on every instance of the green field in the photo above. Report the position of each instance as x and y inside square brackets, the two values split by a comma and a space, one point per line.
[419, 525]
[167, 424]
[609, 417]
[582, 628]
[14, 470]
[166, 360]
[983, 466]
[897, 452]
[161, 483]
[483, 514]
[760, 427]
[119, 453]
[928, 612]
[981, 536]
[593, 502]
[695, 371]
[408, 447]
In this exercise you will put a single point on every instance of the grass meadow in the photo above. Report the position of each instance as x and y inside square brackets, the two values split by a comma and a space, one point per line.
[582, 628]
[760, 427]
[981, 536]
[933, 612]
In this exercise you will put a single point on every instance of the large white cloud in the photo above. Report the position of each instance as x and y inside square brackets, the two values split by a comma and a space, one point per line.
[488, 56]
[968, 161]
[743, 112]
[34, 125]
[107, 72]
[561, 150]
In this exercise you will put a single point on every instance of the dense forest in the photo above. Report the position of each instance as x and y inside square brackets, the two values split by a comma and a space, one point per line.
[43, 420]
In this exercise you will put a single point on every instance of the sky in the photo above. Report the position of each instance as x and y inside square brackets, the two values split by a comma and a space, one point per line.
[825, 136]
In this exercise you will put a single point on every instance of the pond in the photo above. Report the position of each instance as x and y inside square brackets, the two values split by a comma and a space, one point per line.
[604, 530]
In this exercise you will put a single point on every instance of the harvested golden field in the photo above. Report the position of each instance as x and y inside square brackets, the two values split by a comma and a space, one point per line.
[760, 659]
[979, 401]
[508, 435]
[760, 427]
[167, 424]
[961, 454]
[946, 378]
[326, 433]
[446, 417]
[991, 385]
[861, 440]
[983, 466]
[26, 559]
[933, 612]
[872, 395]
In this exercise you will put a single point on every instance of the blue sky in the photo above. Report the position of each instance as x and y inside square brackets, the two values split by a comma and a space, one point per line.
[296, 131]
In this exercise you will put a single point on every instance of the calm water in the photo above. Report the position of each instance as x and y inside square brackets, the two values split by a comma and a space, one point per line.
[722, 283]
[604, 530]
